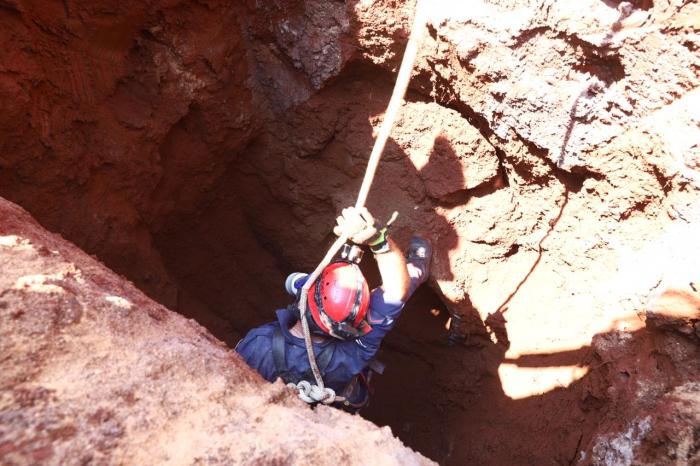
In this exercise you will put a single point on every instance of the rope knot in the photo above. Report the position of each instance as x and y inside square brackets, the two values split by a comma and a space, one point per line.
[311, 393]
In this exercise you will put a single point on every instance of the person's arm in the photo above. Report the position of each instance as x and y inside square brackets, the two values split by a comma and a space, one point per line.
[360, 228]
[387, 300]
[386, 303]
[392, 268]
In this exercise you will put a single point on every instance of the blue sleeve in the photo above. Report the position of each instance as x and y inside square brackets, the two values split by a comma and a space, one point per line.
[255, 348]
[382, 314]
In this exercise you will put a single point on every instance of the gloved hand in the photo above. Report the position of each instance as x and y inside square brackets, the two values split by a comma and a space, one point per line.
[360, 227]
[356, 224]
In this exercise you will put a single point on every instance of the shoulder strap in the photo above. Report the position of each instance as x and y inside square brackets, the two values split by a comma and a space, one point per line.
[377, 366]
[278, 353]
[279, 356]
[324, 357]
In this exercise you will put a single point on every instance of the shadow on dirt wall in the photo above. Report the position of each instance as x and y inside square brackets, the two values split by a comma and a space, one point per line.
[448, 401]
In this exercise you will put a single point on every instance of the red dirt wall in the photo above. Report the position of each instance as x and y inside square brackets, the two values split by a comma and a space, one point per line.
[551, 155]
[119, 116]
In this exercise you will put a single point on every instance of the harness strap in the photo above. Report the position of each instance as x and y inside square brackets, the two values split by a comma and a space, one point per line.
[303, 382]
[377, 366]
[324, 358]
[279, 356]
[278, 351]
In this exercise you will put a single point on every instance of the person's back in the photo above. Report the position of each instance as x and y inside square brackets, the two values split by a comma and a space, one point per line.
[277, 350]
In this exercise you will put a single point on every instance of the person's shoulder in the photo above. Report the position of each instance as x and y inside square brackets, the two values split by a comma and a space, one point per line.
[383, 308]
[256, 336]
[255, 348]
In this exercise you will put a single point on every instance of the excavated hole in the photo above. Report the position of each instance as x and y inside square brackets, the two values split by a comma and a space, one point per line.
[227, 248]
[178, 158]
[270, 215]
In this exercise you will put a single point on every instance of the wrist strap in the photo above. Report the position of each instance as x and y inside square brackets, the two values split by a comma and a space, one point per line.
[381, 243]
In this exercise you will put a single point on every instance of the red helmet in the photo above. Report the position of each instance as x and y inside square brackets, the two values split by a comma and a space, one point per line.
[339, 300]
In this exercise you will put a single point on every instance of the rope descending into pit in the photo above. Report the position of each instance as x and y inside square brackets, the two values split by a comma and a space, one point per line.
[320, 393]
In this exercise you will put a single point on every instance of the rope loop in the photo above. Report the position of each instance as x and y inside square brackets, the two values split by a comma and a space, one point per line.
[311, 393]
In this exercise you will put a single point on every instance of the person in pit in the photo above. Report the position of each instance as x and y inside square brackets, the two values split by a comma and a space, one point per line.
[347, 321]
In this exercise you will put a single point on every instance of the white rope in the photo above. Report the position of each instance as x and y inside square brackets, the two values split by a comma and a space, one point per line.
[402, 80]
[318, 392]
[311, 393]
